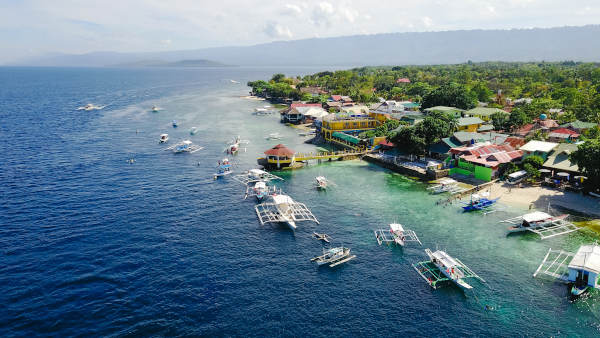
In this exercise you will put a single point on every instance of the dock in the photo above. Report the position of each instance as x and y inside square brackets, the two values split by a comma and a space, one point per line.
[403, 165]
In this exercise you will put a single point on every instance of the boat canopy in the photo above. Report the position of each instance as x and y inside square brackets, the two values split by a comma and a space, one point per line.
[281, 199]
[445, 259]
[256, 172]
[587, 258]
[536, 216]
[395, 227]
[518, 174]
[346, 137]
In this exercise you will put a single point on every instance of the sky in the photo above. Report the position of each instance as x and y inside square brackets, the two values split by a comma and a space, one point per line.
[36, 27]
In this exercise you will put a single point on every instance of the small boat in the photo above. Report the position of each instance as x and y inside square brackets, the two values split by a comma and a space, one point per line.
[479, 203]
[193, 131]
[396, 235]
[260, 190]
[321, 182]
[581, 272]
[90, 106]
[234, 81]
[163, 138]
[283, 209]
[442, 267]
[273, 136]
[234, 145]
[445, 185]
[223, 169]
[155, 109]
[174, 124]
[322, 237]
[334, 256]
[185, 146]
[255, 175]
[533, 220]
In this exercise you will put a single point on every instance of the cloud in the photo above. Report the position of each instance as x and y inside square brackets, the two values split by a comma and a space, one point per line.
[350, 14]
[291, 9]
[427, 21]
[166, 42]
[322, 14]
[275, 30]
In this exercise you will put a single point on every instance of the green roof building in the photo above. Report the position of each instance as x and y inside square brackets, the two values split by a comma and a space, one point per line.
[484, 113]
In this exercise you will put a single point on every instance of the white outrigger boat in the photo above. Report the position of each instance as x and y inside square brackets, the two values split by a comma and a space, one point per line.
[193, 130]
[185, 146]
[163, 138]
[334, 256]
[223, 169]
[273, 136]
[260, 190]
[442, 268]
[90, 106]
[541, 223]
[322, 237]
[445, 185]
[581, 271]
[396, 235]
[283, 209]
[322, 182]
[155, 109]
[234, 145]
[255, 175]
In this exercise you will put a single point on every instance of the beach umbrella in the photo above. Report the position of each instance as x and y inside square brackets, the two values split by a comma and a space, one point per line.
[562, 174]
[545, 171]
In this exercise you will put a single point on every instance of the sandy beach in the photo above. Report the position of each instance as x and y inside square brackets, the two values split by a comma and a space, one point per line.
[539, 198]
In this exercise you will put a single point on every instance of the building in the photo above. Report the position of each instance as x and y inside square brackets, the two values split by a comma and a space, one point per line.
[470, 124]
[300, 114]
[355, 110]
[484, 113]
[447, 110]
[558, 160]
[342, 123]
[483, 161]
[463, 138]
[563, 135]
[579, 126]
[538, 148]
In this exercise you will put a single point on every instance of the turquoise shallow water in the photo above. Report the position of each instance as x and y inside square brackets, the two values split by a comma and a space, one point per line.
[94, 245]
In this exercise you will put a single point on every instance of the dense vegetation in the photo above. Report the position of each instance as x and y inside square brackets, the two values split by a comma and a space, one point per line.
[573, 87]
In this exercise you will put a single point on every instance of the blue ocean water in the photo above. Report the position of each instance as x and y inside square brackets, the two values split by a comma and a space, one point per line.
[94, 245]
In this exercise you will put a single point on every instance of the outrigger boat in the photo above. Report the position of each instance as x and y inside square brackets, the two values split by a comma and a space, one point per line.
[174, 124]
[479, 203]
[396, 235]
[255, 175]
[185, 146]
[321, 182]
[322, 237]
[223, 169]
[283, 209]
[234, 145]
[155, 109]
[445, 185]
[163, 138]
[260, 190]
[541, 223]
[193, 130]
[442, 267]
[581, 272]
[334, 256]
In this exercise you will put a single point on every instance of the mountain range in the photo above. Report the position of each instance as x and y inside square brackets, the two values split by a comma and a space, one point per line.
[579, 43]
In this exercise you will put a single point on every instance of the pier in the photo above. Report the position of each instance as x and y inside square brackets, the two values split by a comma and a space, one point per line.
[406, 166]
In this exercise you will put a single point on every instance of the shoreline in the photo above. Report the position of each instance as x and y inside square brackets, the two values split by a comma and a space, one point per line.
[540, 197]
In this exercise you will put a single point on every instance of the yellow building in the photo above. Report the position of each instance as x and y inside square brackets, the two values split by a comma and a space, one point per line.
[470, 124]
[345, 124]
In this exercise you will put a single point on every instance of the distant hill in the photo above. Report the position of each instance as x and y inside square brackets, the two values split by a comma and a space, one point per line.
[537, 44]
[182, 63]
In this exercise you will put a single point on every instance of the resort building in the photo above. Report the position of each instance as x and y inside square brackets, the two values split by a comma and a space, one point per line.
[334, 127]
[484, 113]
[482, 161]
[470, 124]
[538, 148]
[463, 138]
[558, 160]
[355, 110]
[297, 111]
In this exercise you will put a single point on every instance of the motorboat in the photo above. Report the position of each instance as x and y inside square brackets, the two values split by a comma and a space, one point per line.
[163, 138]
[442, 267]
[155, 109]
[193, 130]
[185, 146]
[174, 124]
[479, 202]
[90, 106]
[334, 256]
[223, 169]
[284, 205]
[445, 185]
[321, 182]
[234, 145]
[282, 208]
[260, 190]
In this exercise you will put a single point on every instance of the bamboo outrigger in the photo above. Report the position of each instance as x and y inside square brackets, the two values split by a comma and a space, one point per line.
[283, 209]
[443, 268]
[541, 223]
[334, 256]
[396, 235]
[322, 237]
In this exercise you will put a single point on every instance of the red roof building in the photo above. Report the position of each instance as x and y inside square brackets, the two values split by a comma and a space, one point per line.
[280, 150]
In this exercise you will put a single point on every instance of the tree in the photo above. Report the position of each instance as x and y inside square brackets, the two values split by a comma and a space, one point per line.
[534, 160]
[500, 120]
[587, 158]
[481, 91]
[408, 141]
[278, 77]
[517, 119]
[452, 95]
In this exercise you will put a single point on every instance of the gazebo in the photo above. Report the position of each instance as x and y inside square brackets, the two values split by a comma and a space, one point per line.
[280, 154]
